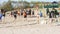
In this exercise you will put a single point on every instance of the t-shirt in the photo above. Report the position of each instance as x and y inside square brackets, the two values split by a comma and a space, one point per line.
[40, 14]
[15, 13]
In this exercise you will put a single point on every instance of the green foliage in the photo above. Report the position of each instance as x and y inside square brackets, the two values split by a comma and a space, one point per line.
[8, 6]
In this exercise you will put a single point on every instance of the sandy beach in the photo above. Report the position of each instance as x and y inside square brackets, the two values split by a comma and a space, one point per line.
[30, 26]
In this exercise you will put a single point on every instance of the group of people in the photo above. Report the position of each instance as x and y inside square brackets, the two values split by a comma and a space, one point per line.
[23, 12]
[53, 13]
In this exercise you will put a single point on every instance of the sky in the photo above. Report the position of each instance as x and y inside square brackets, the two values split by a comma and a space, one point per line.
[1, 1]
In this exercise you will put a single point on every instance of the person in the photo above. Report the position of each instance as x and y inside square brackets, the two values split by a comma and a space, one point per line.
[21, 11]
[11, 13]
[51, 16]
[27, 11]
[41, 14]
[18, 13]
[15, 14]
[59, 14]
[32, 12]
[24, 14]
[56, 13]
[1, 16]
[47, 11]
[3, 12]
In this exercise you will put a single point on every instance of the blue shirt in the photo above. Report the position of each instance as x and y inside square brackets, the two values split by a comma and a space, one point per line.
[1, 15]
[40, 14]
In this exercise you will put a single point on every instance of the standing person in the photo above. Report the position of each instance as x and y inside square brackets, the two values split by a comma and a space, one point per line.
[12, 13]
[41, 14]
[33, 12]
[51, 15]
[15, 14]
[18, 12]
[1, 16]
[56, 13]
[21, 11]
[25, 15]
[59, 14]
[47, 11]
[3, 12]
[30, 12]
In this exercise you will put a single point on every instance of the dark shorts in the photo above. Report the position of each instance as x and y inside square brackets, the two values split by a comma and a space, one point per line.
[4, 15]
[25, 16]
[0, 18]
[15, 16]
[50, 17]
[21, 13]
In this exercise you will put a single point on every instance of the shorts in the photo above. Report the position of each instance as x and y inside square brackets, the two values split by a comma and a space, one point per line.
[21, 13]
[15, 16]
[0, 18]
[4, 15]
[25, 16]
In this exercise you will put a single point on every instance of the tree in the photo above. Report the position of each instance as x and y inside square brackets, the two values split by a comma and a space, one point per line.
[7, 6]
